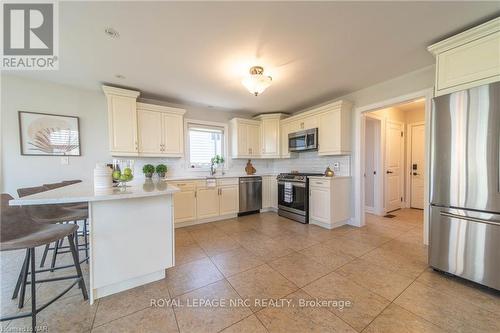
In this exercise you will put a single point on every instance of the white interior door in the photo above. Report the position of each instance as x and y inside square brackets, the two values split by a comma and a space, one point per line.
[393, 165]
[417, 166]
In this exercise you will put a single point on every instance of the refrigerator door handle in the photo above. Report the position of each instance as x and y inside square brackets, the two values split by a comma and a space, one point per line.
[469, 218]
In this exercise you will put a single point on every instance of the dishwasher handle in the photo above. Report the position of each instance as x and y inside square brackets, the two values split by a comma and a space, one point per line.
[245, 181]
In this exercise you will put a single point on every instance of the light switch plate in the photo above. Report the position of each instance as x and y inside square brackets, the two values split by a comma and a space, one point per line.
[65, 160]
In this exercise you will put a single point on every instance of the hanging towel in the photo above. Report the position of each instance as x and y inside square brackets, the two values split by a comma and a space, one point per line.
[288, 193]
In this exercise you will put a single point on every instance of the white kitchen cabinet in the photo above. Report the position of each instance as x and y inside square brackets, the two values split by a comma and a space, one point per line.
[173, 134]
[269, 193]
[122, 121]
[245, 138]
[469, 59]
[149, 131]
[207, 202]
[228, 200]
[274, 192]
[329, 201]
[334, 131]
[270, 134]
[185, 202]
[161, 131]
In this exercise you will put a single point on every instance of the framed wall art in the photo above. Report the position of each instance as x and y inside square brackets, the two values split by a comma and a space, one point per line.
[44, 134]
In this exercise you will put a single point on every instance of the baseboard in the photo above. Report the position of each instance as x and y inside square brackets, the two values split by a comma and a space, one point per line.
[329, 225]
[207, 220]
[370, 210]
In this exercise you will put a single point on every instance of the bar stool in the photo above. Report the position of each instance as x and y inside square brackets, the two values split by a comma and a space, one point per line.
[60, 213]
[17, 232]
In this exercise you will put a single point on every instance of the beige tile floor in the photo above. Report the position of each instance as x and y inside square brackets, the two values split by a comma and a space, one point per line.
[380, 269]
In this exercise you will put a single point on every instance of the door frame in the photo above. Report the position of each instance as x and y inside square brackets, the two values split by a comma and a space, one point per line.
[358, 158]
[378, 192]
[402, 148]
[408, 159]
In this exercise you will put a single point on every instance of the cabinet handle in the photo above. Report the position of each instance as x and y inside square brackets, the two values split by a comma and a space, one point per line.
[195, 194]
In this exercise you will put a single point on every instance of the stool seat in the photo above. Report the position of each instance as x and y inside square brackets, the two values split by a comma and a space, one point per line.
[22, 192]
[19, 231]
[55, 214]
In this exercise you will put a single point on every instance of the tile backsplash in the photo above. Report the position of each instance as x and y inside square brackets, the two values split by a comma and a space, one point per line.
[311, 162]
[302, 162]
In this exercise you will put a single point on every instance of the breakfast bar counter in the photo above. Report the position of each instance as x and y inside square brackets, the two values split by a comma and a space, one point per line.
[131, 232]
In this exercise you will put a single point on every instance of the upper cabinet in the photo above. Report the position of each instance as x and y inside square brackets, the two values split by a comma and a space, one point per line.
[334, 128]
[160, 130]
[270, 135]
[122, 121]
[140, 129]
[245, 138]
[471, 58]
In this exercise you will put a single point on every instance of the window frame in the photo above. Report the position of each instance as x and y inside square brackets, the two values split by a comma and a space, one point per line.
[225, 142]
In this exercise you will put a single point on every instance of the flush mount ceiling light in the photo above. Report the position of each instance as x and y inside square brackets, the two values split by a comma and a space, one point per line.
[257, 82]
[112, 33]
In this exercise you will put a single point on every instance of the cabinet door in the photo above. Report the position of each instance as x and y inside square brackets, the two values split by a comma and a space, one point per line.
[243, 148]
[123, 124]
[184, 206]
[228, 200]
[150, 131]
[270, 137]
[319, 204]
[273, 193]
[253, 139]
[266, 192]
[329, 132]
[173, 134]
[310, 122]
[207, 202]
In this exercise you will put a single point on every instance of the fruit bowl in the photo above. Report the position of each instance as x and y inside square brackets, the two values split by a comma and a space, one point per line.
[123, 172]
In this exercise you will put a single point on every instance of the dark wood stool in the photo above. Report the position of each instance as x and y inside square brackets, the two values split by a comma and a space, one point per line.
[18, 231]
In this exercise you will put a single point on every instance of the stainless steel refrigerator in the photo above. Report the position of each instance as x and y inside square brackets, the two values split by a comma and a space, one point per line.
[464, 231]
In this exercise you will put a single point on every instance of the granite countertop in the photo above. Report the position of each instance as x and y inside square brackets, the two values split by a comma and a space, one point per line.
[85, 192]
[191, 177]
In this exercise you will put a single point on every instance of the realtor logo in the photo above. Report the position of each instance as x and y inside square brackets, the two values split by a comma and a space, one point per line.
[29, 36]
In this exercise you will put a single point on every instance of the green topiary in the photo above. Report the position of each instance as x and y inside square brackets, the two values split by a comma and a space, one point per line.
[161, 169]
[148, 169]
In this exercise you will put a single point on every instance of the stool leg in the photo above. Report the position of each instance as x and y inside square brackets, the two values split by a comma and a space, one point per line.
[23, 283]
[21, 274]
[44, 256]
[33, 290]
[54, 255]
[76, 239]
[77, 266]
[85, 236]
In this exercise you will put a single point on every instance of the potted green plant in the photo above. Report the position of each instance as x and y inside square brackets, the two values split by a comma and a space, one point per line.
[148, 170]
[216, 161]
[161, 170]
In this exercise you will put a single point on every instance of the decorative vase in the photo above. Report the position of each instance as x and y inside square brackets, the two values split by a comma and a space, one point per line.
[250, 170]
[161, 175]
[329, 172]
[149, 175]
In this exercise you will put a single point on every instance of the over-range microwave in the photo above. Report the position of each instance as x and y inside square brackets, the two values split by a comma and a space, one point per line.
[303, 140]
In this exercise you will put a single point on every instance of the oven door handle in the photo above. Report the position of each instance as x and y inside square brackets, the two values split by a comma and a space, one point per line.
[296, 184]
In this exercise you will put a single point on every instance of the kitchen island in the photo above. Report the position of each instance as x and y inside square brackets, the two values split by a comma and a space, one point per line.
[131, 232]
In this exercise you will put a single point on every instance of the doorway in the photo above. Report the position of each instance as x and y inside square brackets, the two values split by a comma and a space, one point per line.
[394, 157]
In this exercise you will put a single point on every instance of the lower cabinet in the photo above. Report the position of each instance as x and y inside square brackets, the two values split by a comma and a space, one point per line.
[185, 203]
[196, 201]
[269, 192]
[207, 202]
[329, 201]
[228, 200]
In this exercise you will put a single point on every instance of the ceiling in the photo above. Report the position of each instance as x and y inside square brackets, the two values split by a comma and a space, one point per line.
[197, 53]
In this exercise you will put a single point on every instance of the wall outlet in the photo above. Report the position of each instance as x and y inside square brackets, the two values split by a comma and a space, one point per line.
[336, 166]
[65, 160]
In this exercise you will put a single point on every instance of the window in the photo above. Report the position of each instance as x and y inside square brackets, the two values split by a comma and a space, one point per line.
[204, 142]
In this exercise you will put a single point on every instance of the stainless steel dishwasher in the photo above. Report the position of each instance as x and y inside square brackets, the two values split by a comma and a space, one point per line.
[250, 194]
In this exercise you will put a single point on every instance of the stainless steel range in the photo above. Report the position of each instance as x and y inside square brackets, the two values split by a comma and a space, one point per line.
[293, 195]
